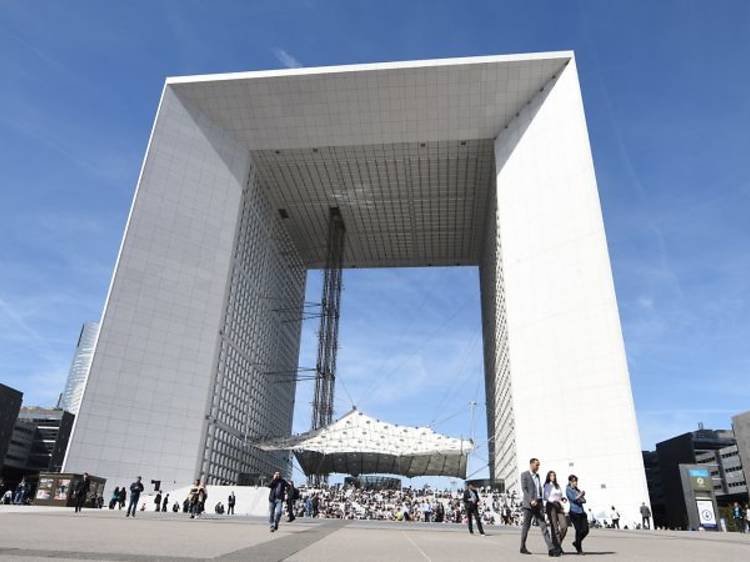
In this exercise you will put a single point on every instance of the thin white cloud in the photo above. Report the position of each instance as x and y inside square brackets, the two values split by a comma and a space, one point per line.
[286, 59]
[18, 320]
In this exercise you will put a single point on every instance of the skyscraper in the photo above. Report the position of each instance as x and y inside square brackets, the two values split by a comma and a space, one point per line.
[79, 368]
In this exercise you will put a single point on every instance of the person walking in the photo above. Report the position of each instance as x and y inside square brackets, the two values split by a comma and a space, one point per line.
[157, 501]
[747, 518]
[615, 517]
[115, 498]
[135, 493]
[123, 497]
[739, 517]
[19, 497]
[203, 498]
[471, 503]
[553, 504]
[292, 494]
[276, 494]
[81, 492]
[439, 512]
[165, 504]
[578, 517]
[645, 516]
[531, 506]
[426, 511]
[196, 498]
[230, 503]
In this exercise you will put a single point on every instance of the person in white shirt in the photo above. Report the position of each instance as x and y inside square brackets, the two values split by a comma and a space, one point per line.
[615, 517]
[554, 496]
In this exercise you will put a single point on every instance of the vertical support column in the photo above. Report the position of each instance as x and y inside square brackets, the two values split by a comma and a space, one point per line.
[325, 380]
[569, 387]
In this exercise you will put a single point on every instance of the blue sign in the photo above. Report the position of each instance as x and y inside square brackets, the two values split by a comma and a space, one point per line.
[699, 472]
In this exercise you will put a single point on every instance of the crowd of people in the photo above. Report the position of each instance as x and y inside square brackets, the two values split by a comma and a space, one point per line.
[551, 505]
[406, 504]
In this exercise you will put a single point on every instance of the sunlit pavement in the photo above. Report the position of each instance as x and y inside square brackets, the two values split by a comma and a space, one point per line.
[29, 533]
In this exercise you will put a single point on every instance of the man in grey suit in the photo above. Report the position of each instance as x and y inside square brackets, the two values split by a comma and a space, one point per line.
[531, 486]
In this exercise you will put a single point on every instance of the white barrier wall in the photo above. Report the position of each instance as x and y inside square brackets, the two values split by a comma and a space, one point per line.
[251, 500]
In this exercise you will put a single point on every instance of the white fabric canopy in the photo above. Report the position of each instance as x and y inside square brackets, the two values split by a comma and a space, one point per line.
[358, 444]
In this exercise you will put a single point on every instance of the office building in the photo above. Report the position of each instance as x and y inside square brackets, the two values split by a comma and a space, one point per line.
[655, 488]
[79, 368]
[10, 404]
[726, 472]
[741, 430]
[40, 438]
[477, 162]
[715, 449]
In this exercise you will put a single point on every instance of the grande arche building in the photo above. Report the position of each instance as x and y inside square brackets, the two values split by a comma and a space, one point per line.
[481, 162]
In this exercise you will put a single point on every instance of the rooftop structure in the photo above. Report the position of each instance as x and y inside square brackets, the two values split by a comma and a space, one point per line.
[358, 444]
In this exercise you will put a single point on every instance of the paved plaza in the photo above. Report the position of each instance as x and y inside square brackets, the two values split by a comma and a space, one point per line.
[28, 534]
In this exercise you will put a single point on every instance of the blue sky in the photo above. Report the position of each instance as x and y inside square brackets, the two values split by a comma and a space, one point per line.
[668, 113]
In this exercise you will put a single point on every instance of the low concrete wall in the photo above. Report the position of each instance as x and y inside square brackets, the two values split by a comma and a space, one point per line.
[251, 500]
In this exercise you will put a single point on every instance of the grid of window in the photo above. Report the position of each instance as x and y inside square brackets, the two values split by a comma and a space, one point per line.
[404, 203]
[253, 393]
[500, 420]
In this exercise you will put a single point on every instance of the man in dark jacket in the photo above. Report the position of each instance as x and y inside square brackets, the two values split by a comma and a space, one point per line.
[231, 500]
[82, 491]
[471, 503]
[645, 516]
[292, 495]
[276, 496]
[135, 493]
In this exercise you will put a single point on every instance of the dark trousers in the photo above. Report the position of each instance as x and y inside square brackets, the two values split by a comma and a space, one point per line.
[473, 513]
[581, 525]
[290, 510]
[196, 508]
[646, 520]
[535, 513]
[80, 500]
[133, 504]
[230, 509]
[558, 524]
